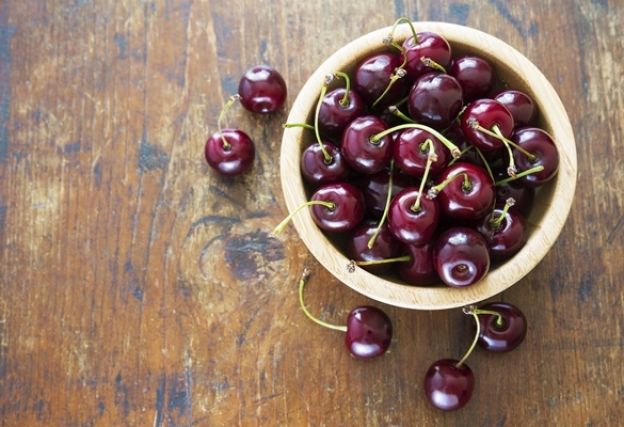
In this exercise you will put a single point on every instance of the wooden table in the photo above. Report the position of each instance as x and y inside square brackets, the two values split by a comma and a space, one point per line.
[138, 288]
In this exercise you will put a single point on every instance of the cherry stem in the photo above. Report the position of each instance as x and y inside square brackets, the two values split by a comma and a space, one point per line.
[520, 175]
[431, 157]
[475, 124]
[401, 102]
[499, 318]
[464, 151]
[455, 151]
[304, 278]
[466, 186]
[298, 125]
[428, 62]
[496, 222]
[394, 110]
[326, 155]
[344, 76]
[371, 241]
[485, 162]
[402, 20]
[396, 75]
[404, 258]
[473, 312]
[280, 227]
[226, 107]
[511, 170]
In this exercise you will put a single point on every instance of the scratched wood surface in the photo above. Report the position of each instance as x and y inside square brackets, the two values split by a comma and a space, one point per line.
[137, 288]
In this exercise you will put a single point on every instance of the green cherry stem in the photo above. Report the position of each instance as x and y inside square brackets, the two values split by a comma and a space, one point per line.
[499, 319]
[344, 76]
[511, 170]
[485, 162]
[396, 75]
[326, 155]
[431, 157]
[402, 20]
[400, 114]
[371, 241]
[475, 124]
[455, 151]
[226, 107]
[298, 125]
[472, 311]
[519, 175]
[435, 190]
[282, 225]
[304, 278]
[496, 222]
[405, 258]
[428, 62]
[464, 151]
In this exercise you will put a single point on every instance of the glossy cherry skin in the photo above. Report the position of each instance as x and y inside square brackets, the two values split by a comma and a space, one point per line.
[541, 145]
[360, 153]
[435, 100]
[335, 117]
[507, 337]
[385, 246]
[519, 104]
[347, 212]
[232, 160]
[462, 203]
[447, 386]
[522, 195]
[262, 89]
[461, 257]
[373, 75]
[317, 171]
[419, 271]
[375, 189]
[369, 332]
[413, 228]
[429, 45]
[474, 74]
[506, 239]
[487, 112]
[410, 153]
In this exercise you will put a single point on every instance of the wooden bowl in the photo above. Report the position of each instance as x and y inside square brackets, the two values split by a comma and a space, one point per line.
[552, 202]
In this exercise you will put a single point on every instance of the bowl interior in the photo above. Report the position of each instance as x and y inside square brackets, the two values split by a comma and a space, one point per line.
[552, 200]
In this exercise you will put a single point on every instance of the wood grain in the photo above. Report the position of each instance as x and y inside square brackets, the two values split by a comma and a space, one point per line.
[138, 288]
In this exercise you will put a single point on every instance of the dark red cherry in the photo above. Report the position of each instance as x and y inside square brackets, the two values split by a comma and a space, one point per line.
[463, 199]
[411, 153]
[430, 46]
[369, 332]
[435, 100]
[348, 209]
[474, 74]
[419, 271]
[519, 104]
[335, 117]
[232, 157]
[262, 89]
[505, 335]
[447, 386]
[360, 153]
[487, 113]
[373, 75]
[316, 170]
[461, 257]
[504, 237]
[414, 227]
[375, 189]
[384, 247]
[542, 146]
[523, 196]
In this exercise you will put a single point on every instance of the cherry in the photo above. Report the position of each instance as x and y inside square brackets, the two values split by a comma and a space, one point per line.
[368, 330]
[262, 89]
[375, 189]
[413, 219]
[411, 152]
[373, 76]
[504, 230]
[435, 100]
[339, 108]
[523, 196]
[425, 51]
[360, 151]
[502, 327]
[317, 170]
[384, 246]
[419, 270]
[542, 152]
[449, 386]
[474, 74]
[485, 115]
[519, 104]
[460, 256]
[465, 192]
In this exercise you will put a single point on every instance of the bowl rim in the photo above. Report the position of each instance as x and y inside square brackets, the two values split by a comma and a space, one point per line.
[420, 297]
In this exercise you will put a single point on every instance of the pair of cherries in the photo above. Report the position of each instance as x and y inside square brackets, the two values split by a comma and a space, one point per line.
[231, 151]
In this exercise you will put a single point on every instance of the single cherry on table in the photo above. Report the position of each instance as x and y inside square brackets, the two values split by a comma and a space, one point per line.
[262, 89]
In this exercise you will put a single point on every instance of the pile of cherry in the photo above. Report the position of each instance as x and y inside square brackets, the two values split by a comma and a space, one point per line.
[429, 162]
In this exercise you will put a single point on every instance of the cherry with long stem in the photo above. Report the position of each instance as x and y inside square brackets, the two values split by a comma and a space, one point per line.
[519, 175]
[455, 151]
[226, 107]
[398, 113]
[431, 157]
[398, 73]
[495, 223]
[496, 133]
[344, 76]
[326, 155]
[371, 241]
[435, 190]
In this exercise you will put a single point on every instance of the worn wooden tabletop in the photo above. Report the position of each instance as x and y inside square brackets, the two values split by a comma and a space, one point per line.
[138, 288]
